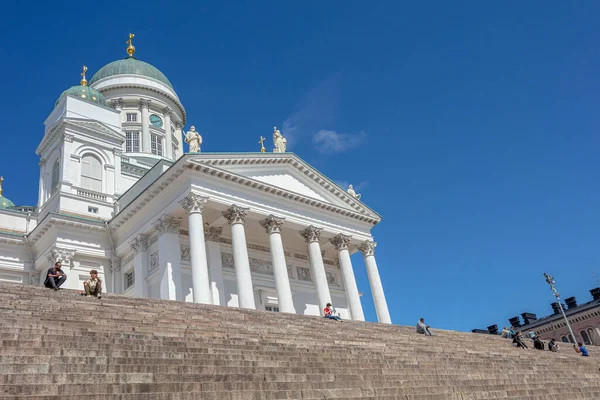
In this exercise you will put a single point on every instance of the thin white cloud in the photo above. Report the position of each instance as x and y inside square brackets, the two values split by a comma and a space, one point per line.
[316, 110]
[328, 142]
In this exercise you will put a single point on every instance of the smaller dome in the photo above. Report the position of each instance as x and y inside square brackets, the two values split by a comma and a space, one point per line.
[5, 203]
[84, 92]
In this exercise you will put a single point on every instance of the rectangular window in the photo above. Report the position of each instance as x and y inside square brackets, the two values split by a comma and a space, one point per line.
[129, 279]
[93, 210]
[132, 142]
[273, 309]
[156, 144]
[131, 117]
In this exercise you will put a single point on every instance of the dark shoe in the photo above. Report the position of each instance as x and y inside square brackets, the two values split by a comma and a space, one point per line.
[56, 289]
[99, 296]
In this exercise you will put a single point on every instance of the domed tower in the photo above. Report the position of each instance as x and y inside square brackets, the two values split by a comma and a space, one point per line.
[151, 113]
[4, 202]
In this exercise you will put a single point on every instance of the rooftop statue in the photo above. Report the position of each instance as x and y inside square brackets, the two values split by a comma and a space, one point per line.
[279, 141]
[194, 140]
[353, 193]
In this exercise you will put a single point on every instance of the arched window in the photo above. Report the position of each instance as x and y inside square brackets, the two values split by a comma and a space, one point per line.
[55, 174]
[585, 337]
[571, 339]
[91, 173]
[593, 336]
[564, 339]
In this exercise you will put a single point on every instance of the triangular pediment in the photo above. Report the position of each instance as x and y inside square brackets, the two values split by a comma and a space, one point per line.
[287, 172]
[96, 126]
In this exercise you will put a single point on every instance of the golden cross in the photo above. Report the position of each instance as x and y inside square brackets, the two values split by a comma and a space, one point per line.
[131, 47]
[262, 146]
[83, 80]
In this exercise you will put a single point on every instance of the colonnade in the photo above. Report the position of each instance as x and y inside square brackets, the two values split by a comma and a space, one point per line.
[207, 292]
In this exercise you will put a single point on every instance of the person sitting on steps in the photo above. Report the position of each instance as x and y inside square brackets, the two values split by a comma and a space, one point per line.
[93, 286]
[55, 277]
[423, 329]
[505, 333]
[518, 340]
[552, 345]
[329, 314]
[581, 350]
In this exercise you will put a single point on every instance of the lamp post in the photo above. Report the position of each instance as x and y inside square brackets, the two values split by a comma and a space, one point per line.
[550, 281]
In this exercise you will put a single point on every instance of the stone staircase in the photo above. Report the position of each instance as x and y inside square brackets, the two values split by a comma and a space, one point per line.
[58, 345]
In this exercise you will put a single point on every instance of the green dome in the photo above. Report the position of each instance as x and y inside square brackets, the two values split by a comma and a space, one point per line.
[130, 66]
[5, 203]
[86, 93]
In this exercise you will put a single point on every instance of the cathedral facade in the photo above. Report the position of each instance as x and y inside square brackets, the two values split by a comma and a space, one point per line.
[117, 193]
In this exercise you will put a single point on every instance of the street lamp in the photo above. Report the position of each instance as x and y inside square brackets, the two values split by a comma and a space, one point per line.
[550, 281]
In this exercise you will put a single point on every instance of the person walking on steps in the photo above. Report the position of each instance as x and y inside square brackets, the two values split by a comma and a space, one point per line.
[93, 286]
[329, 313]
[55, 277]
[423, 329]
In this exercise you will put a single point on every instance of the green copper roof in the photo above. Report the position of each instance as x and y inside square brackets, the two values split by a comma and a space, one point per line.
[5, 203]
[86, 93]
[130, 66]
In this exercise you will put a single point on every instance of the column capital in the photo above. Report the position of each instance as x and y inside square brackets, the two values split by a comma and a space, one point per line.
[167, 224]
[117, 104]
[272, 224]
[115, 263]
[341, 241]
[212, 233]
[58, 254]
[139, 243]
[193, 203]
[145, 103]
[311, 234]
[167, 111]
[368, 248]
[178, 125]
[117, 152]
[236, 214]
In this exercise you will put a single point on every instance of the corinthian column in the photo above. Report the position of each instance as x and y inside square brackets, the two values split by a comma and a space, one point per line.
[169, 258]
[236, 216]
[194, 205]
[341, 244]
[368, 250]
[312, 235]
[145, 105]
[273, 226]
[139, 245]
[212, 235]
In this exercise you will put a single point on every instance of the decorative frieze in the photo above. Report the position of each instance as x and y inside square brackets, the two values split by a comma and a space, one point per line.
[167, 224]
[153, 262]
[331, 278]
[227, 260]
[311, 234]
[304, 274]
[259, 248]
[212, 234]
[341, 241]
[260, 266]
[300, 256]
[185, 252]
[272, 224]
[235, 214]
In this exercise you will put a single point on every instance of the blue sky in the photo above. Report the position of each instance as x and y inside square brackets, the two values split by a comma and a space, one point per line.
[471, 128]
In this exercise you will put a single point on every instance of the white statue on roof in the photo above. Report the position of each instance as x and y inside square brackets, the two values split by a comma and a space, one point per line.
[279, 141]
[194, 140]
[352, 193]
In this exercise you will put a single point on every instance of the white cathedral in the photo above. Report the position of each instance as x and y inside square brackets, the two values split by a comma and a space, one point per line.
[117, 193]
